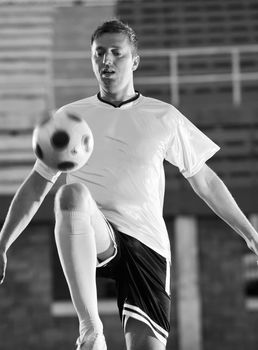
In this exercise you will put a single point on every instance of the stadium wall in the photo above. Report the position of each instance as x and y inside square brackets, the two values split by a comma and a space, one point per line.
[226, 318]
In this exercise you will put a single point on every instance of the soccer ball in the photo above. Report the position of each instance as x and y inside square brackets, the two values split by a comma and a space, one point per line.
[63, 142]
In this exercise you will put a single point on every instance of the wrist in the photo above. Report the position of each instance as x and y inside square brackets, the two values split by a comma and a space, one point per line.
[3, 247]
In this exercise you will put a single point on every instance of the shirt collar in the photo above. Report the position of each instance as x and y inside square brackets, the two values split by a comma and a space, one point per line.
[132, 99]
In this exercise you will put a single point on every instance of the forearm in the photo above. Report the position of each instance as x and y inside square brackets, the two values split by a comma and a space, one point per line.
[220, 200]
[217, 196]
[23, 207]
[18, 217]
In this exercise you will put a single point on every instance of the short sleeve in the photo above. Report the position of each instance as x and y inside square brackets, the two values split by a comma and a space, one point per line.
[189, 147]
[45, 171]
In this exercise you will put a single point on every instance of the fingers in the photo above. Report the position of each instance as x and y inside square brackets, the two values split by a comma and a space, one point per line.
[3, 262]
[253, 246]
[2, 273]
[2, 276]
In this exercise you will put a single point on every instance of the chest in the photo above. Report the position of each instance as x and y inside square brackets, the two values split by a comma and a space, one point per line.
[123, 138]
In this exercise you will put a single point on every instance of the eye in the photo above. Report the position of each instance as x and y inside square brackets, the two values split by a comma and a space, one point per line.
[117, 53]
[99, 53]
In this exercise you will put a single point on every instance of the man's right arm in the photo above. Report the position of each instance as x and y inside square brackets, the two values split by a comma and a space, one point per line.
[23, 207]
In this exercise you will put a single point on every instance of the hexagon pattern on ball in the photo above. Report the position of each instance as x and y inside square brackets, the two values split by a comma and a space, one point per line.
[64, 142]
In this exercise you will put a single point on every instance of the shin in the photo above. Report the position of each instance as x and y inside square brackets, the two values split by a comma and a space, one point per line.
[75, 239]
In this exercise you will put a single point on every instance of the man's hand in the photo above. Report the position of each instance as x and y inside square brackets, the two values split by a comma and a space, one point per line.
[253, 245]
[213, 191]
[23, 207]
[3, 263]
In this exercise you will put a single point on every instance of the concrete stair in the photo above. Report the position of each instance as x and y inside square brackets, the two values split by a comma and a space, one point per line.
[26, 36]
[162, 23]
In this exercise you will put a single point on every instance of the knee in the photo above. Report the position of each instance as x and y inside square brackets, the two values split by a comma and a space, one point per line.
[73, 196]
[139, 336]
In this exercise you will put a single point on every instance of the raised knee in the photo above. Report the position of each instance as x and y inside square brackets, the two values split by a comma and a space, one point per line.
[75, 196]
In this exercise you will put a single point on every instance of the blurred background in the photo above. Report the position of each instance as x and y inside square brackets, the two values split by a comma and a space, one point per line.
[199, 55]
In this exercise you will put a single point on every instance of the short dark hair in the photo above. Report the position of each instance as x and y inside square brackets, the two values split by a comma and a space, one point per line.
[117, 26]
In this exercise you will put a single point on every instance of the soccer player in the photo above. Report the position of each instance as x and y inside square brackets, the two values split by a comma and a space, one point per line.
[109, 213]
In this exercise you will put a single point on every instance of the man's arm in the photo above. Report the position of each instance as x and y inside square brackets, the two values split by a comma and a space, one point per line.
[214, 192]
[23, 207]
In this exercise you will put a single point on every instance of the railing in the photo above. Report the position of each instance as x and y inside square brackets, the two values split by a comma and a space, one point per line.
[234, 129]
[60, 2]
[174, 77]
[177, 68]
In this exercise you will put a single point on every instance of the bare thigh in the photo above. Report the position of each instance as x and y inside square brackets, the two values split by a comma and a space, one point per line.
[77, 196]
[139, 336]
[104, 242]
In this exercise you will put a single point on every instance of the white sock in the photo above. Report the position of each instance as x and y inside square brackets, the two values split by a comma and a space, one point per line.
[77, 252]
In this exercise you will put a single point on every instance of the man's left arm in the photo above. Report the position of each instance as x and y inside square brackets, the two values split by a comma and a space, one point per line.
[214, 192]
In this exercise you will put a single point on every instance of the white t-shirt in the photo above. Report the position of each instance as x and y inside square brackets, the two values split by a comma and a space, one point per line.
[125, 173]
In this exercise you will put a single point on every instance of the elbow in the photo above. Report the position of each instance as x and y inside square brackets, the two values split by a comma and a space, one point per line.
[205, 183]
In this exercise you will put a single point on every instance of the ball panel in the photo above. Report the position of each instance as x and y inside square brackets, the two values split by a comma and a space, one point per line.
[64, 142]
[66, 166]
[39, 152]
[85, 142]
[74, 117]
[60, 139]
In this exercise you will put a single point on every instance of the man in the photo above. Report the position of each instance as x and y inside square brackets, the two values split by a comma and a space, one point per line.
[109, 213]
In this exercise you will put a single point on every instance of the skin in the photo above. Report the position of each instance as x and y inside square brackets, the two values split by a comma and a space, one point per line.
[114, 53]
[113, 62]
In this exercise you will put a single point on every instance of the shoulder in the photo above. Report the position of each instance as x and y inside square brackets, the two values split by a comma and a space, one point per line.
[79, 104]
[164, 111]
[160, 105]
[154, 102]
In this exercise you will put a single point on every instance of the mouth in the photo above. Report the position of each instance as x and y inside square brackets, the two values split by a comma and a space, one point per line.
[107, 72]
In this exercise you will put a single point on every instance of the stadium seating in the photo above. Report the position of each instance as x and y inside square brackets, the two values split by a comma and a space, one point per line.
[204, 37]
[200, 55]
[25, 85]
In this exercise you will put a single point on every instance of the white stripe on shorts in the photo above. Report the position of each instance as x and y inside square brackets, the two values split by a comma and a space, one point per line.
[137, 313]
[167, 285]
[112, 236]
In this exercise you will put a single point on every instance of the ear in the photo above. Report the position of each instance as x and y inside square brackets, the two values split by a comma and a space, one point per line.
[136, 61]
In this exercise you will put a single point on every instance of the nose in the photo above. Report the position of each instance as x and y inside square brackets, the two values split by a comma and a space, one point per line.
[107, 59]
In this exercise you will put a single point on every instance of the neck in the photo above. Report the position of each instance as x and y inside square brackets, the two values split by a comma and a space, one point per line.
[117, 97]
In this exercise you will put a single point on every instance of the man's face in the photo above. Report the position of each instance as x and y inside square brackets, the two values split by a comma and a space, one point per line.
[113, 61]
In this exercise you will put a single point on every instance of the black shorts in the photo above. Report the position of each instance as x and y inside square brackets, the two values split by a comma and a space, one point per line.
[142, 278]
